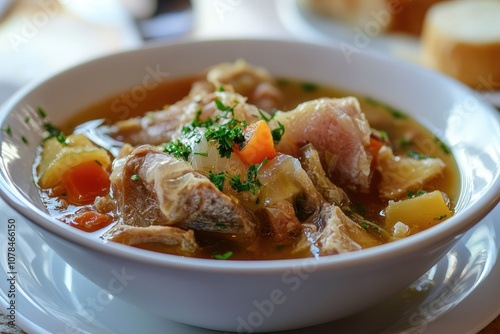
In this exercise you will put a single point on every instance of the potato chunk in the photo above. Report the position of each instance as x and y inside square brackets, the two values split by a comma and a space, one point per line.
[57, 158]
[418, 213]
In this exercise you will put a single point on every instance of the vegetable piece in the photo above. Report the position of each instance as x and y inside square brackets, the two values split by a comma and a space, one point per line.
[258, 144]
[224, 256]
[90, 221]
[252, 183]
[419, 213]
[227, 136]
[374, 146]
[85, 182]
[58, 158]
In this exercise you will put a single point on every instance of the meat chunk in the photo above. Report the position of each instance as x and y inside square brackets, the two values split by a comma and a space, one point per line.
[154, 188]
[340, 234]
[255, 83]
[311, 163]
[338, 130]
[400, 173]
[180, 241]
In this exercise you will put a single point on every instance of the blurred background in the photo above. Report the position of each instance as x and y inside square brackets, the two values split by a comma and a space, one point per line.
[40, 37]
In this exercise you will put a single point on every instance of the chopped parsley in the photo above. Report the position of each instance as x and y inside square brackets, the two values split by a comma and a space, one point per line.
[309, 87]
[8, 131]
[412, 194]
[61, 138]
[227, 136]
[264, 117]
[224, 256]
[278, 132]
[51, 129]
[134, 177]
[178, 149]
[417, 156]
[224, 108]
[403, 142]
[27, 119]
[217, 179]
[359, 208]
[41, 112]
[391, 110]
[441, 217]
[442, 145]
[197, 123]
[252, 183]
[24, 139]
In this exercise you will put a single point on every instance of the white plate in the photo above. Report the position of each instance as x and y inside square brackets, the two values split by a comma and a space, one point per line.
[304, 24]
[52, 298]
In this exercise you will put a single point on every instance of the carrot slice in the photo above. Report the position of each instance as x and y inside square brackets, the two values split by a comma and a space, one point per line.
[91, 221]
[374, 146]
[258, 144]
[85, 182]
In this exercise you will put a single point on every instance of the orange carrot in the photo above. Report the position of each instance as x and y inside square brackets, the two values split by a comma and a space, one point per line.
[85, 182]
[374, 146]
[91, 221]
[258, 144]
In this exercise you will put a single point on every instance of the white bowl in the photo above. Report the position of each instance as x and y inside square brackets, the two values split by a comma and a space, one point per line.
[256, 296]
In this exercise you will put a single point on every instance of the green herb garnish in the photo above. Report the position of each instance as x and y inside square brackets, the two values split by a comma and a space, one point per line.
[309, 87]
[178, 149]
[391, 110]
[252, 183]
[417, 156]
[278, 132]
[197, 123]
[359, 208]
[224, 256]
[8, 131]
[134, 177]
[405, 142]
[441, 217]
[412, 194]
[227, 136]
[52, 130]
[217, 179]
[61, 138]
[442, 145]
[41, 112]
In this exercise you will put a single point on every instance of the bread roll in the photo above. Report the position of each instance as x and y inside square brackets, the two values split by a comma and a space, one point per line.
[404, 16]
[462, 39]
